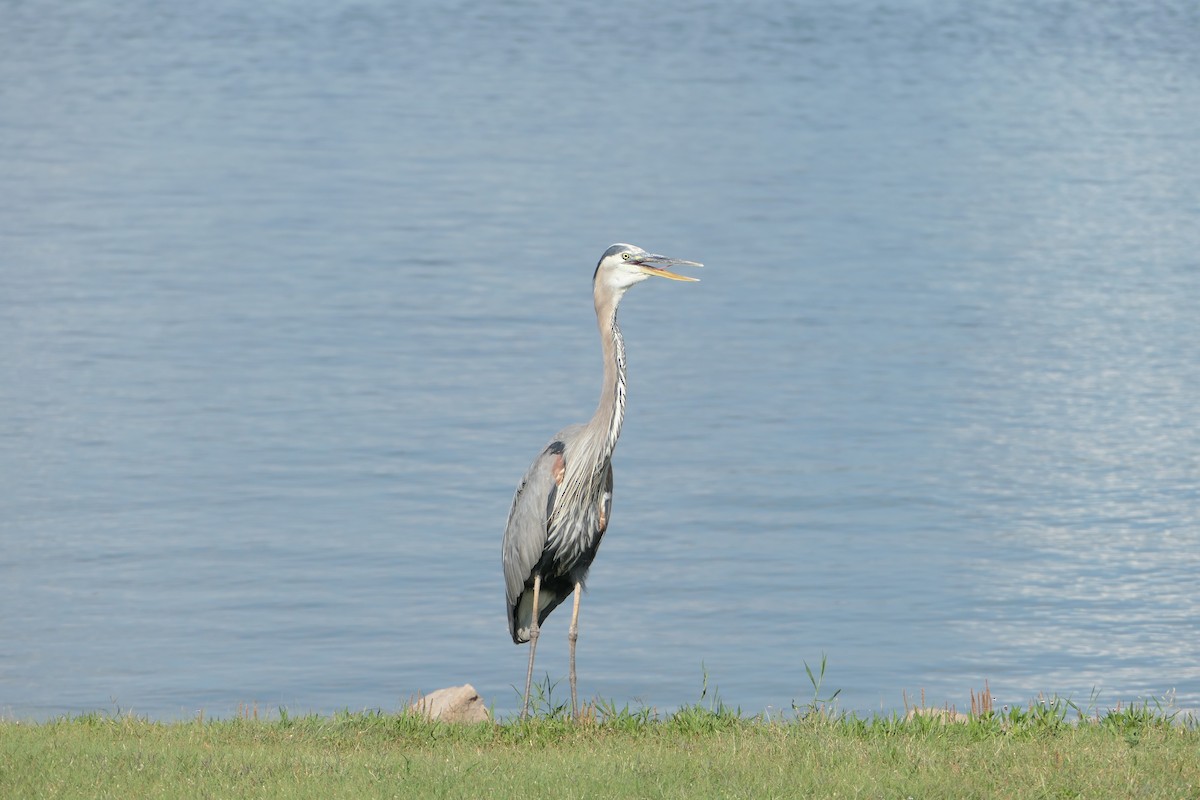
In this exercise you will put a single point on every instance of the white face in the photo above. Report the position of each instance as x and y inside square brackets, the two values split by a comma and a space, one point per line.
[619, 268]
[623, 265]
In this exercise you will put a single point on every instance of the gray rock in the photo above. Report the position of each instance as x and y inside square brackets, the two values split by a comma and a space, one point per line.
[453, 704]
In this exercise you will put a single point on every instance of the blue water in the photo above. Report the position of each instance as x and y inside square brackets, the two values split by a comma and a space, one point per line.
[291, 293]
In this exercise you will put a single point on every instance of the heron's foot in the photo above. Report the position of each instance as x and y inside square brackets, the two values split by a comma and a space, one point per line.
[572, 637]
[534, 631]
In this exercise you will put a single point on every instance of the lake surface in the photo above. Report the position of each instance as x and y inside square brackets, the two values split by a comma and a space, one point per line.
[291, 294]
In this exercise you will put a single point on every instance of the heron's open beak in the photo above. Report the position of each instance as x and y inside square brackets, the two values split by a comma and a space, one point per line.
[653, 264]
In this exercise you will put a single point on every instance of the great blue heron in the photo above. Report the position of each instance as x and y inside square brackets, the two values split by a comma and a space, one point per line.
[561, 508]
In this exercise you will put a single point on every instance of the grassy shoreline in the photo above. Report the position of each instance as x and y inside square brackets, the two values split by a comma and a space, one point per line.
[1050, 749]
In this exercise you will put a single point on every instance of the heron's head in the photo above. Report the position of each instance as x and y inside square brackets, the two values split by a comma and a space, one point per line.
[623, 265]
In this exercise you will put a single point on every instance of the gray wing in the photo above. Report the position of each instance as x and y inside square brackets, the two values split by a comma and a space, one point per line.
[525, 535]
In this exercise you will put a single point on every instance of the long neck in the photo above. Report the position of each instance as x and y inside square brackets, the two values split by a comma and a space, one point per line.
[605, 425]
[591, 452]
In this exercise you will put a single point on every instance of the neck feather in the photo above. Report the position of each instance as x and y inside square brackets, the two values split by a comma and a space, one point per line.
[594, 448]
[599, 438]
[610, 411]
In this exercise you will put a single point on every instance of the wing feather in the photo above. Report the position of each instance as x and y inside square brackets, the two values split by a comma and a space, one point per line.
[527, 531]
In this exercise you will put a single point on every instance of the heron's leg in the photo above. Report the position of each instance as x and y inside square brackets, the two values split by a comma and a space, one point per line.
[534, 630]
[572, 636]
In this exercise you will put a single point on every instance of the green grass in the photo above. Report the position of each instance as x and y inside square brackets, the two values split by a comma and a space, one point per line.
[1050, 749]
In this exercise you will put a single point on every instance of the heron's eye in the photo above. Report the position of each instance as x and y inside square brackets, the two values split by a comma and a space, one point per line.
[625, 256]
